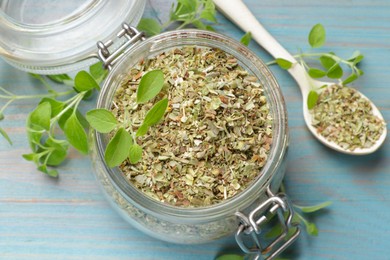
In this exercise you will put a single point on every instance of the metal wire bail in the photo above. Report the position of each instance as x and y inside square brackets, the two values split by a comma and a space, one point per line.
[250, 228]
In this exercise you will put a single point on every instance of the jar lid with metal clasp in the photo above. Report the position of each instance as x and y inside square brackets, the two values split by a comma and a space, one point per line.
[55, 36]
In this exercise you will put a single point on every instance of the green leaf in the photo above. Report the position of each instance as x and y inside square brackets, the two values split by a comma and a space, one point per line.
[59, 151]
[118, 148]
[67, 114]
[208, 15]
[1, 116]
[316, 73]
[5, 135]
[154, 115]
[246, 38]
[358, 59]
[56, 106]
[312, 99]
[199, 24]
[185, 10]
[230, 257]
[102, 120]
[314, 208]
[335, 72]
[60, 78]
[311, 229]
[32, 157]
[149, 26]
[50, 172]
[150, 85]
[317, 36]
[98, 72]
[284, 64]
[327, 62]
[275, 231]
[142, 130]
[135, 153]
[84, 82]
[75, 134]
[39, 118]
[350, 79]
[354, 55]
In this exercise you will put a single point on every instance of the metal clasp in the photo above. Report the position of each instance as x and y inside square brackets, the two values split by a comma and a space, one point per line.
[130, 34]
[247, 235]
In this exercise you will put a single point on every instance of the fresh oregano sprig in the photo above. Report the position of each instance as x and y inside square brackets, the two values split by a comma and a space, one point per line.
[328, 65]
[123, 143]
[48, 148]
[198, 13]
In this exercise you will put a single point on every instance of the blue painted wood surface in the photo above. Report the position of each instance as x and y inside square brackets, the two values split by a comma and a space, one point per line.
[69, 218]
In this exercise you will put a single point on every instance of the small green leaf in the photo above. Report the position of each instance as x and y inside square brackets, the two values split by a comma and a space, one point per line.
[98, 72]
[155, 114]
[350, 79]
[246, 38]
[56, 106]
[67, 114]
[118, 148]
[311, 229]
[135, 153]
[275, 231]
[84, 82]
[1, 116]
[355, 55]
[142, 130]
[39, 118]
[149, 26]
[208, 15]
[316, 73]
[312, 99]
[102, 120]
[5, 135]
[32, 157]
[314, 208]
[317, 36]
[335, 72]
[75, 134]
[150, 85]
[327, 62]
[230, 257]
[358, 59]
[60, 78]
[199, 24]
[284, 64]
[50, 172]
[59, 151]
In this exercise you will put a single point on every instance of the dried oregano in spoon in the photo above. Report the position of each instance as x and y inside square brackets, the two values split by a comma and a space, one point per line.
[343, 116]
[216, 134]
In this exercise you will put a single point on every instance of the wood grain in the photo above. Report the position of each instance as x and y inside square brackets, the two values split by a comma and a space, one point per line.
[69, 218]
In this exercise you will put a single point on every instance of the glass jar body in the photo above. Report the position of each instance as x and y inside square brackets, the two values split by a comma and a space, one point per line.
[191, 225]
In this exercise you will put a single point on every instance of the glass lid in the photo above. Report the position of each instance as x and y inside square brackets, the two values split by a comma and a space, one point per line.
[57, 36]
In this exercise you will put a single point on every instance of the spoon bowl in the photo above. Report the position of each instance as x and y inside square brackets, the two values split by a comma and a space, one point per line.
[238, 12]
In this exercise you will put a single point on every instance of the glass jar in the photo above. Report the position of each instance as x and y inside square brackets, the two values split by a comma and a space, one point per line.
[56, 36]
[244, 213]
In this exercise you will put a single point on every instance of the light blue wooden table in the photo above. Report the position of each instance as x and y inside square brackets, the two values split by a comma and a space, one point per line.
[69, 218]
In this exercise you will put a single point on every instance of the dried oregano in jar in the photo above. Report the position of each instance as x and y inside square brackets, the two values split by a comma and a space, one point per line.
[214, 138]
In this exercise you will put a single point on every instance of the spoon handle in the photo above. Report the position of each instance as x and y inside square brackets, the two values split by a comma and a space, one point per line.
[239, 13]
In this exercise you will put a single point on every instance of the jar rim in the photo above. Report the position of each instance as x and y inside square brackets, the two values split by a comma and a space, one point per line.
[278, 147]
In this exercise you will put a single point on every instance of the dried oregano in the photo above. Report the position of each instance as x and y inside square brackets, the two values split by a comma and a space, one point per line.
[343, 116]
[216, 134]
